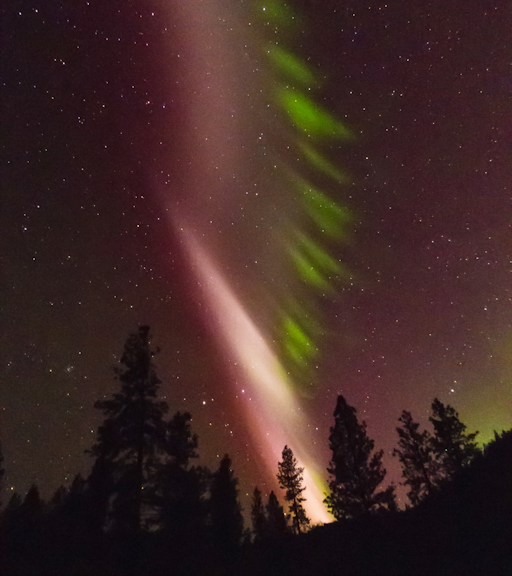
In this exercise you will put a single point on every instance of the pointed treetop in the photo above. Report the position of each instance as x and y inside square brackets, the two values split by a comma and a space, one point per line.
[290, 477]
[355, 472]
[455, 447]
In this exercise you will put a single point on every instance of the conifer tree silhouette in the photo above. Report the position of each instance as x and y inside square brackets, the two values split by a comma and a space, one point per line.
[428, 459]
[182, 487]
[290, 479]
[226, 519]
[259, 520]
[132, 438]
[417, 454]
[355, 472]
[2, 472]
[276, 519]
[454, 447]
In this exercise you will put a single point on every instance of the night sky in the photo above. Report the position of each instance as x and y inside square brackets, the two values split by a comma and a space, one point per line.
[143, 155]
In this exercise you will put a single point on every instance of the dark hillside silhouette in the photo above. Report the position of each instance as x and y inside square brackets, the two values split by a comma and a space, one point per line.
[465, 528]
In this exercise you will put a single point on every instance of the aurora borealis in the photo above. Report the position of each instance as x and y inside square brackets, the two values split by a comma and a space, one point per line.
[300, 201]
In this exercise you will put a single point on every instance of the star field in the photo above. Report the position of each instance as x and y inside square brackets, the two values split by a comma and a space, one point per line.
[105, 142]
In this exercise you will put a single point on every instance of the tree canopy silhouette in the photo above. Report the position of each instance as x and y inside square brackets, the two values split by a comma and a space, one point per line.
[268, 521]
[226, 521]
[417, 454]
[181, 489]
[290, 479]
[427, 460]
[355, 472]
[2, 471]
[258, 517]
[454, 447]
[132, 437]
[276, 519]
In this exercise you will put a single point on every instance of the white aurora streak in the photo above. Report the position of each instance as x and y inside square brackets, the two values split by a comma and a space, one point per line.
[224, 108]
[272, 411]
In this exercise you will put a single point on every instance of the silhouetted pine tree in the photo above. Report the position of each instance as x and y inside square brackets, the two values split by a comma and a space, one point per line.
[226, 521]
[417, 454]
[454, 447]
[30, 526]
[57, 521]
[72, 536]
[12, 545]
[290, 479]
[100, 486]
[2, 472]
[276, 520]
[58, 498]
[80, 509]
[74, 500]
[428, 459]
[68, 506]
[132, 437]
[182, 488]
[6, 519]
[259, 520]
[180, 443]
[32, 507]
[356, 473]
[12, 507]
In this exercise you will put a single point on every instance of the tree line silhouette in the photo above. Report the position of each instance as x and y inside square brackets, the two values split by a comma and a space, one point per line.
[145, 508]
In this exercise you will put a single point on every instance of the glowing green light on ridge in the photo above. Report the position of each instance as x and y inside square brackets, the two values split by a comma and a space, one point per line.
[309, 117]
[290, 65]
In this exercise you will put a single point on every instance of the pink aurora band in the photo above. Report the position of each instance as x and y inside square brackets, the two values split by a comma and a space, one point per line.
[222, 158]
